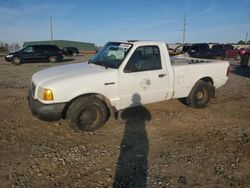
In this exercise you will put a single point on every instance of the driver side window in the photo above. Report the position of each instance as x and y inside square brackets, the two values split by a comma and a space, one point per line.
[144, 58]
[29, 49]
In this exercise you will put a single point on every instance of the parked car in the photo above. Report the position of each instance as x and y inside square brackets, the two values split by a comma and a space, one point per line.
[244, 51]
[199, 50]
[70, 51]
[237, 53]
[181, 49]
[35, 53]
[119, 76]
[220, 50]
[233, 53]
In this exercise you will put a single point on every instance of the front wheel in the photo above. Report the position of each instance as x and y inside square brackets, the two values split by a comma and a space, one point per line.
[16, 61]
[87, 114]
[200, 95]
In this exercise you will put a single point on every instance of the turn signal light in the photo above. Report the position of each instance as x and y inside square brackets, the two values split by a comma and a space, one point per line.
[48, 95]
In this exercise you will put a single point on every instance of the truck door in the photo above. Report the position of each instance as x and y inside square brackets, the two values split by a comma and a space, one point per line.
[143, 75]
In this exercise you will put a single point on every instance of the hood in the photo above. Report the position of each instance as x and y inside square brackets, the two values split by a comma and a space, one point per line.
[14, 52]
[71, 71]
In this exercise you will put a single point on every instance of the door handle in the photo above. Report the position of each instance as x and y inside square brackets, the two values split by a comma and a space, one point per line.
[162, 75]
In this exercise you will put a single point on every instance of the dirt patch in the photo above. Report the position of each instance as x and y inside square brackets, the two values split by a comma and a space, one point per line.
[173, 146]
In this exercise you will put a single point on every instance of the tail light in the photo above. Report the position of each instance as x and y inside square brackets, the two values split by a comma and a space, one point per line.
[242, 52]
[228, 71]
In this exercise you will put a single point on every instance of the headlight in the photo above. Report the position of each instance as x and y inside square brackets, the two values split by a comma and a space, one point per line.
[45, 94]
[9, 56]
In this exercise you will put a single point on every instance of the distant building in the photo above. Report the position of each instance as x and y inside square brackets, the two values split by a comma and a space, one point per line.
[83, 47]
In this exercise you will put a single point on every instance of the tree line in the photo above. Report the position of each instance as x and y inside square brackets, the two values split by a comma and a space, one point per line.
[7, 47]
[241, 42]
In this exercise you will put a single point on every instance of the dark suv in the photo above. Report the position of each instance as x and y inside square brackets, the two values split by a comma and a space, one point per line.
[220, 50]
[34, 53]
[70, 51]
[199, 50]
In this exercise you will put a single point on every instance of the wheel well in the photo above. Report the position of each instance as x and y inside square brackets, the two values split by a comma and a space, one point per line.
[99, 96]
[17, 56]
[208, 80]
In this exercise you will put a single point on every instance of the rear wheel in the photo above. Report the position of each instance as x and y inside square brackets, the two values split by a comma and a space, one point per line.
[52, 59]
[200, 95]
[16, 61]
[87, 114]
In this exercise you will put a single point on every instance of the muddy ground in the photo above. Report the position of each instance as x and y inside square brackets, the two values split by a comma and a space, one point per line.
[160, 145]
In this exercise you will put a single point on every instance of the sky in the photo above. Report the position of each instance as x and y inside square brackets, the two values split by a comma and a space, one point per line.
[99, 21]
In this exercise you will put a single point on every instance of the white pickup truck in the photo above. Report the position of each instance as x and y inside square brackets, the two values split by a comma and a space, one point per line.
[121, 75]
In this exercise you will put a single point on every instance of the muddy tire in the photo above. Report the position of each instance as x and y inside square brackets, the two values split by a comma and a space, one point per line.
[200, 95]
[87, 114]
[16, 61]
[52, 59]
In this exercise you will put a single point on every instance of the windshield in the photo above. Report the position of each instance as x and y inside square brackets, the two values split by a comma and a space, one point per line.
[111, 55]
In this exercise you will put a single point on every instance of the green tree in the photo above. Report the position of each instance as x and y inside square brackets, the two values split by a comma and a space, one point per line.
[241, 42]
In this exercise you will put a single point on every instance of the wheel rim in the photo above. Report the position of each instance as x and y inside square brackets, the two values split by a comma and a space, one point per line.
[16, 60]
[52, 59]
[201, 95]
[87, 117]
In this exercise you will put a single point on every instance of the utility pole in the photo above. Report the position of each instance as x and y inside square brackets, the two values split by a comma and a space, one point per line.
[184, 30]
[246, 38]
[51, 29]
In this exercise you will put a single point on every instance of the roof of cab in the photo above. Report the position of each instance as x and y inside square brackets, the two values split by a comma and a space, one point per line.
[143, 42]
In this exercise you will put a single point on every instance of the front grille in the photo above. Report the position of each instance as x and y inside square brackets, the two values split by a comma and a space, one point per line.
[33, 89]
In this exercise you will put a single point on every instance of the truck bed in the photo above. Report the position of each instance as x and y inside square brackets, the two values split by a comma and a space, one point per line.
[188, 71]
[175, 61]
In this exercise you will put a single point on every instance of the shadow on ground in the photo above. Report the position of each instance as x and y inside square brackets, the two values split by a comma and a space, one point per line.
[241, 71]
[132, 164]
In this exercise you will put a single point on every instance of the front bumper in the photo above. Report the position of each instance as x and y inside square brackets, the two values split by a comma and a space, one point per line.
[46, 112]
[9, 59]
